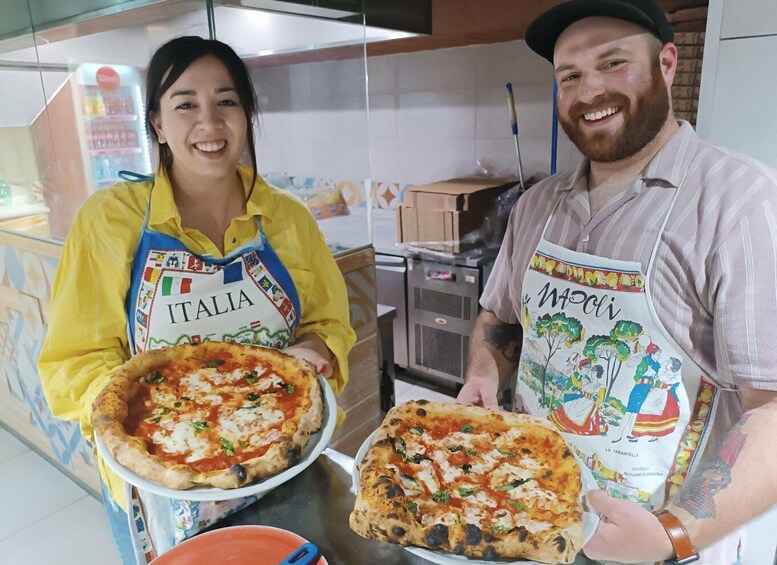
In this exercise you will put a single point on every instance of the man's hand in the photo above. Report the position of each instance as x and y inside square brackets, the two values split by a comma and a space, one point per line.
[312, 349]
[480, 391]
[627, 533]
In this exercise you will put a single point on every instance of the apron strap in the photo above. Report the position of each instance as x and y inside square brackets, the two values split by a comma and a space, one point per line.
[132, 176]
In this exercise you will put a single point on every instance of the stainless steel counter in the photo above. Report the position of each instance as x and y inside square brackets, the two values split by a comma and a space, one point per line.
[316, 505]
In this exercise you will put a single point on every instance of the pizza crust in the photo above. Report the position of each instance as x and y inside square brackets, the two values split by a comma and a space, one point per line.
[382, 507]
[111, 410]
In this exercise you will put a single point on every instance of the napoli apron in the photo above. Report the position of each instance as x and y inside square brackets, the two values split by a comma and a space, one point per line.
[177, 296]
[598, 363]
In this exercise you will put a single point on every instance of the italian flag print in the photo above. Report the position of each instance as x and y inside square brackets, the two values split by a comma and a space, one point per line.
[176, 285]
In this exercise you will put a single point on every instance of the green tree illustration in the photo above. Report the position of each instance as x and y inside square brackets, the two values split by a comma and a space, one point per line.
[556, 330]
[611, 350]
[626, 330]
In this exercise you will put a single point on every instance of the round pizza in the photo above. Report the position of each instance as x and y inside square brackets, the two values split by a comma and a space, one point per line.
[212, 414]
[471, 481]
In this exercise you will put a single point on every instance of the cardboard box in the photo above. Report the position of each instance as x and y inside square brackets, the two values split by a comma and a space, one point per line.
[439, 215]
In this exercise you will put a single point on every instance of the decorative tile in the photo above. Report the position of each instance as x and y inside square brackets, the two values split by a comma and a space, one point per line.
[352, 193]
[386, 195]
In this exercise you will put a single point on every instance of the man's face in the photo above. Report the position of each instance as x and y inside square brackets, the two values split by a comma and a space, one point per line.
[612, 96]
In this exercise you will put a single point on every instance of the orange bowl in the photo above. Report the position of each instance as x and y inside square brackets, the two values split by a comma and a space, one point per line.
[258, 545]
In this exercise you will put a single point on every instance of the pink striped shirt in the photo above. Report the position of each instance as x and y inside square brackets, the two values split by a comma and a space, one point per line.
[714, 280]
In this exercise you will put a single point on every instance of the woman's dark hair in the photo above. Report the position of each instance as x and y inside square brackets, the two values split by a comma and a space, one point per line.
[169, 63]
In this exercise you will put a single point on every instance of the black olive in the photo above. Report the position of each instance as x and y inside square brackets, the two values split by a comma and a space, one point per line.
[240, 471]
[473, 535]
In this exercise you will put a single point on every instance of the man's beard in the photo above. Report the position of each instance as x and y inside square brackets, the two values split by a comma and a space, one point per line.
[641, 123]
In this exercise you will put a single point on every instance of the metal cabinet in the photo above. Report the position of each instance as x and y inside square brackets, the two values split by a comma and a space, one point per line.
[441, 311]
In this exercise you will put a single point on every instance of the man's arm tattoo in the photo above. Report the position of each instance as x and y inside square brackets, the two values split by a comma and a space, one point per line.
[698, 494]
[505, 338]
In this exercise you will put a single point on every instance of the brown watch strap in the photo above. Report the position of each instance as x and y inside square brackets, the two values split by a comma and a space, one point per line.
[683, 548]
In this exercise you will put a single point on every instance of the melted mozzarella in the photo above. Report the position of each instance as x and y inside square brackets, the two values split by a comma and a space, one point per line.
[242, 424]
[449, 472]
[507, 472]
[196, 383]
[533, 493]
[426, 475]
[182, 439]
[269, 381]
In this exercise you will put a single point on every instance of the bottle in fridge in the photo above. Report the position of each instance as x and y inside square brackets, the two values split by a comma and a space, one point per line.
[112, 124]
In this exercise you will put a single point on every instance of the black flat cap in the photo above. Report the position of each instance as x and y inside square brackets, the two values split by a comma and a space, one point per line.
[542, 33]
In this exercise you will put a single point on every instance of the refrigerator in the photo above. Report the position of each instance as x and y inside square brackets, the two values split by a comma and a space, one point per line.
[109, 101]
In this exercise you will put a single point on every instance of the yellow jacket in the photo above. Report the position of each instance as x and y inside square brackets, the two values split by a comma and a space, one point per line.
[87, 334]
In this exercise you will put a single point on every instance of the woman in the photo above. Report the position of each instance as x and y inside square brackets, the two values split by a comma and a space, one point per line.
[205, 229]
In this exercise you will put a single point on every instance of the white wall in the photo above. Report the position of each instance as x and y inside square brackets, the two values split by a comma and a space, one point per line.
[433, 115]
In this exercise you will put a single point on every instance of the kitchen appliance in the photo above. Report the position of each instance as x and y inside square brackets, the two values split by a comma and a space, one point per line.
[442, 307]
[112, 122]
[391, 290]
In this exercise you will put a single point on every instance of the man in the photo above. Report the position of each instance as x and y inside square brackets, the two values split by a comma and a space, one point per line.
[656, 235]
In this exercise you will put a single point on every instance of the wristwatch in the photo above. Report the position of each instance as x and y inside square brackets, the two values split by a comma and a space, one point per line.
[681, 543]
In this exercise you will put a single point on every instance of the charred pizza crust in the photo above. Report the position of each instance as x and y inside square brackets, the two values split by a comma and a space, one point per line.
[388, 509]
[129, 389]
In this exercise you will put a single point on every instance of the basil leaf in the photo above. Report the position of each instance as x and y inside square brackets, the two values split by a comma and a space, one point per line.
[467, 428]
[513, 484]
[251, 406]
[467, 491]
[518, 505]
[418, 430]
[409, 478]
[199, 426]
[156, 420]
[229, 449]
[507, 452]
[213, 363]
[467, 468]
[501, 529]
[289, 388]
[252, 396]
[243, 444]
[470, 452]
[441, 496]
[455, 448]
[415, 458]
[155, 377]
[177, 404]
[413, 507]
[250, 377]
[165, 411]
[185, 398]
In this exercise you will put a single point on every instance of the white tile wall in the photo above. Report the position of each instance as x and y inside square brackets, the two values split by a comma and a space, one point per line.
[433, 115]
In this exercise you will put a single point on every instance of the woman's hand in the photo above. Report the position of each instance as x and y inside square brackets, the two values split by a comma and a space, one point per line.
[312, 349]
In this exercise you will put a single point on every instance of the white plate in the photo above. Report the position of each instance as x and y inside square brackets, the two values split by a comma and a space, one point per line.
[590, 518]
[317, 443]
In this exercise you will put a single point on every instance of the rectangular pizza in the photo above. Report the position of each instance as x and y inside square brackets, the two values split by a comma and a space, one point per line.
[473, 482]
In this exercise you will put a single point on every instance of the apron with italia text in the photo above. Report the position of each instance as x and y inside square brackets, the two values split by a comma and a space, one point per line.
[598, 363]
[176, 297]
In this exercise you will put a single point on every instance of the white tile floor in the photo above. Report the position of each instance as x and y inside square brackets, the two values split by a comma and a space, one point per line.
[47, 519]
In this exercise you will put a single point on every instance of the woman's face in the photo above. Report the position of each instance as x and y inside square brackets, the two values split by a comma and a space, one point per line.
[202, 122]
